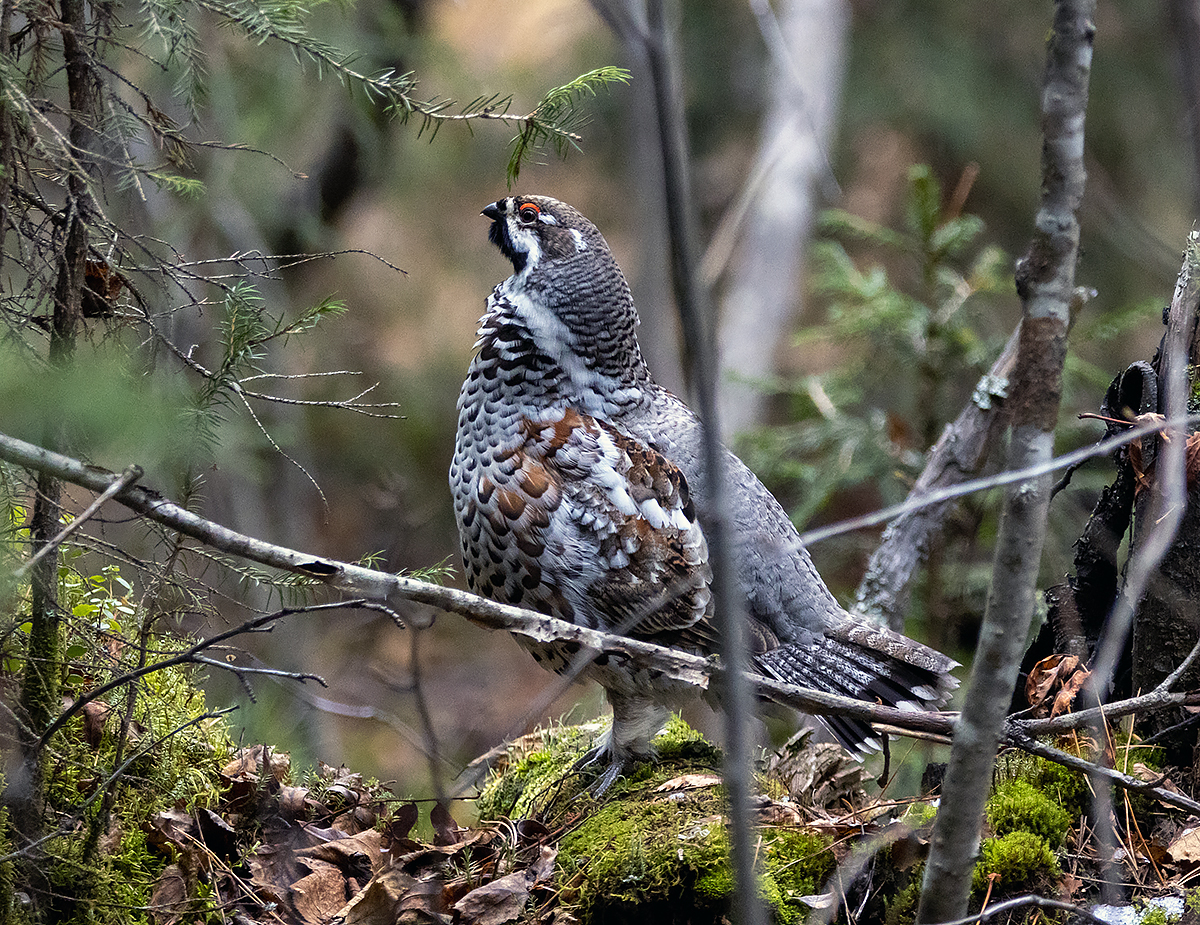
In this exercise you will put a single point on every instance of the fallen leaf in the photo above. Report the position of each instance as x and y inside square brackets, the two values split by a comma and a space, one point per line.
[172, 830]
[446, 830]
[357, 856]
[273, 869]
[542, 870]
[688, 782]
[1070, 688]
[318, 896]
[169, 899]
[378, 903]
[495, 903]
[1068, 887]
[293, 801]
[1186, 848]
[403, 818]
[1045, 676]
[1193, 457]
[217, 834]
[95, 715]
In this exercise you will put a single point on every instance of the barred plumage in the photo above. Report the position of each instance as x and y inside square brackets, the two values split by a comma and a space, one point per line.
[578, 492]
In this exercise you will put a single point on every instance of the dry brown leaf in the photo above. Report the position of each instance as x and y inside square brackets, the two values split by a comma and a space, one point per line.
[320, 895]
[688, 782]
[358, 855]
[1186, 848]
[542, 870]
[172, 830]
[95, 715]
[446, 830]
[378, 903]
[169, 900]
[1045, 676]
[273, 869]
[247, 764]
[1068, 887]
[1142, 477]
[293, 801]
[1070, 688]
[1192, 454]
[495, 903]
[423, 903]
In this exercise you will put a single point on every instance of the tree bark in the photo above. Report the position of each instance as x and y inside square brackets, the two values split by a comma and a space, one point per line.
[1045, 281]
[1183, 17]
[39, 689]
[1168, 620]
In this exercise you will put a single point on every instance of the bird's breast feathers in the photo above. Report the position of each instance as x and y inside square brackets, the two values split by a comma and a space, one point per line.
[605, 522]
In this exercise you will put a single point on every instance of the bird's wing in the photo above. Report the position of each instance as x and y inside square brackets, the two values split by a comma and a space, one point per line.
[624, 535]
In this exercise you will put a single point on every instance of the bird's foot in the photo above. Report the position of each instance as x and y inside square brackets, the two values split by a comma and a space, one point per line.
[611, 766]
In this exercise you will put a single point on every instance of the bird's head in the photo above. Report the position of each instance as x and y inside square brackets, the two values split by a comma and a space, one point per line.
[534, 231]
[567, 289]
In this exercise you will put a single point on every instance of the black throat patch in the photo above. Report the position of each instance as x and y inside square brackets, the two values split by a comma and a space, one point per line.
[498, 235]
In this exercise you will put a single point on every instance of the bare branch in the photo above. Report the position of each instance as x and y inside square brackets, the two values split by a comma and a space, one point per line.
[384, 590]
[1046, 283]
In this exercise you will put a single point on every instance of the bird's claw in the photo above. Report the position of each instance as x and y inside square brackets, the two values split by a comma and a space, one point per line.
[613, 768]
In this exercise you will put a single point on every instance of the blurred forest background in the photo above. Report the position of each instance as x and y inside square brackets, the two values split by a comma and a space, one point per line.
[866, 368]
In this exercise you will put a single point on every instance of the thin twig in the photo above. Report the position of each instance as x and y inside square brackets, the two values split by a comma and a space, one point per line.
[127, 478]
[187, 656]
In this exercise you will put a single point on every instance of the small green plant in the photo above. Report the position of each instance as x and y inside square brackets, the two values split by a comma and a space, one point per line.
[145, 746]
[1018, 806]
[1021, 860]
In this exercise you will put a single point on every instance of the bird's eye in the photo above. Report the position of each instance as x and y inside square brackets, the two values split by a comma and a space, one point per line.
[529, 213]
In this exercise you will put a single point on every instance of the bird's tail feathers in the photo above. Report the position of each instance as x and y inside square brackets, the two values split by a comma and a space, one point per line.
[867, 663]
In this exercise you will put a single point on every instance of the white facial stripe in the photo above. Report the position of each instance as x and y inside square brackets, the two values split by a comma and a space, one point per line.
[580, 243]
[547, 219]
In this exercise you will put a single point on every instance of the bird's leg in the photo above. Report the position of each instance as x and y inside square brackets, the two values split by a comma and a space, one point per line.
[636, 721]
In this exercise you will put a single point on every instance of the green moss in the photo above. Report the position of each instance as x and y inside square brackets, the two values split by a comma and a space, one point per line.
[680, 742]
[901, 909]
[647, 850]
[531, 778]
[1064, 787]
[644, 853]
[1156, 915]
[1022, 859]
[798, 862]
[534, 779]
[7, 891]
[103, 870]
[1017, 806]
[630, 851]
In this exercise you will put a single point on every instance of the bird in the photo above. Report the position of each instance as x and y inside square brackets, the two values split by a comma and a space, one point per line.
[579, 492]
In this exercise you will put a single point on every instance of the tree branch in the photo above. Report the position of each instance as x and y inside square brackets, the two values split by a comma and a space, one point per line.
[385, 590]
[1045, 282]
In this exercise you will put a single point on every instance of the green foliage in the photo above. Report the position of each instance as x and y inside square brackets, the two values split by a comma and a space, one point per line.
[641, 847]
[1021, 859]
[1017, 805]
[1155, 915]
[169, 756]
[901, 909]
[558, 116]
[910, 321]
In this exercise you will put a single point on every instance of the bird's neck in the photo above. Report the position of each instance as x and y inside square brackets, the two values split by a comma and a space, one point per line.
[558, 355]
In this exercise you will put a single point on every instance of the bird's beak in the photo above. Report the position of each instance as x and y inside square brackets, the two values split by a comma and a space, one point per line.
[494, 211]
